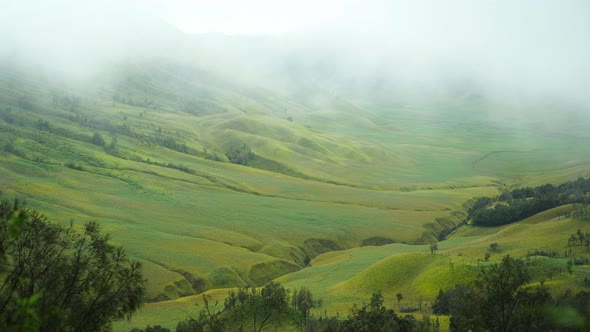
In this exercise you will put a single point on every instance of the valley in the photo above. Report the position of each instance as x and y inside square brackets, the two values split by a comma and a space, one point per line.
[213, 187]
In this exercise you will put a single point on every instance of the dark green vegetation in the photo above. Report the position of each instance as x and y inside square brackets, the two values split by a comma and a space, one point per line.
[273, 307]
[522, 203]
[57, 278]
[500, 299]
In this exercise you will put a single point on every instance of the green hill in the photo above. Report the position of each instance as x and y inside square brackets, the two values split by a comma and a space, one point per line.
[214, 185]
[341, 278]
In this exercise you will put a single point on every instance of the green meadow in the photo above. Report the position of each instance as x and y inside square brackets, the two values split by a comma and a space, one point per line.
[341, 278]
[343, 198]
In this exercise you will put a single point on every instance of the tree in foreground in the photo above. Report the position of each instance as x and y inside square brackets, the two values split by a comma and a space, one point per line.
[302, 301]
[499, 300]
[59, 278]
[269, 309]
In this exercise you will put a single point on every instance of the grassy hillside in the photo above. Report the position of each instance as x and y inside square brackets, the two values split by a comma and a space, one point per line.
[146, 152]
[344, 277]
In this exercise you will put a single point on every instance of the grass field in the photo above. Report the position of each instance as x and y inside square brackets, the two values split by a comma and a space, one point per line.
[327, 182]
[341, 278]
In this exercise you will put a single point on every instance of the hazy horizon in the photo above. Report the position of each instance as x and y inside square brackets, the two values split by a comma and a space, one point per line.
[529, 50]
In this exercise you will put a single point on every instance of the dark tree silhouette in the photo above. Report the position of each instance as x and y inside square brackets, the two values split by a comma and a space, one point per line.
[433, 248]
[61, 279]
[497, 301]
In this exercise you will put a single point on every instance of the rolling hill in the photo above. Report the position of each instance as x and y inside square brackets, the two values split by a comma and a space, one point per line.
[212, 184]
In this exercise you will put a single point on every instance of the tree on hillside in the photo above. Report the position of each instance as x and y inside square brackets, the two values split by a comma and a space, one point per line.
[503, 285]
[375, 317]
[522, 203]
[240, 154]
[257, 307]
[208, 319]
[273, 301]
[498, 301]
[302, 300]
[97, 139]
[58, 278]
[433, 248]
[570, 267]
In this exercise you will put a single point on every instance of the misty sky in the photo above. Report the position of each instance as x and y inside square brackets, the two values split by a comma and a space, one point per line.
[536, 46]
[510, 44]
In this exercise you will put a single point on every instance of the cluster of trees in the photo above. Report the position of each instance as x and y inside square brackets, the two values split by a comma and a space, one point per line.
[59, 278]
[148, 161]
[96, 138]
[376, 317]
[275, 307]
[47, 126]
[501, 299]
[579, 239]
[521, 203]
[111, 148]
[157, 138]
[254, 309]
[240, 154]
[168, 142]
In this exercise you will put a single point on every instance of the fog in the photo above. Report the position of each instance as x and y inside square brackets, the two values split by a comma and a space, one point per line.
[513, 51]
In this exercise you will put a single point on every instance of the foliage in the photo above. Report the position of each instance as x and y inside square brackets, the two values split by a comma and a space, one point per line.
[58, 278]
[376, 317]
[302, 300]
[498, 300]
[246, 307]
[208, 319]
[240, 154]
[433, 248]
[97, 139]
[521, 203]
[570, 312]
[267, 308]
[580, 238]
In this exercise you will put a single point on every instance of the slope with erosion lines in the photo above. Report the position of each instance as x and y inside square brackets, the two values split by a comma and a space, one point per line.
[149, 206]
[349, 276]
[152, 179]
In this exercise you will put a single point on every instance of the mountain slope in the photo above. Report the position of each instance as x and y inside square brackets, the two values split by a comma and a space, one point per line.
[146, 151]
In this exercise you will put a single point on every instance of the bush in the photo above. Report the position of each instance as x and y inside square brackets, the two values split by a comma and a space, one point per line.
[240, 154]
[97, 139]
